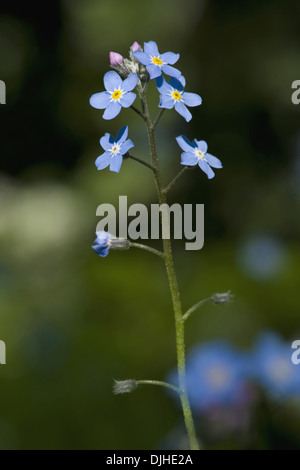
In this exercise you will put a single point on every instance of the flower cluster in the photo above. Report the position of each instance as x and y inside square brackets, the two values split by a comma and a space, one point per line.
[217, 375]
[146, 64]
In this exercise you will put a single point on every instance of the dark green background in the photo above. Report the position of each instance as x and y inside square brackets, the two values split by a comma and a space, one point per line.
[72, 322]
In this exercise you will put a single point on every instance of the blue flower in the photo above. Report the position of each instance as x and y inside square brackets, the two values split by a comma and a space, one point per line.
[157, 63]
[196, 153]
[172, 95]
[117, 95]
[273, 367]
[215, 376]
[102, 243]
[114, 150]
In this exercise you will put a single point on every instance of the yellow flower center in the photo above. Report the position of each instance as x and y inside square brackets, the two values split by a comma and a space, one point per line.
[157, 61]
[176, 95]
[116, 94]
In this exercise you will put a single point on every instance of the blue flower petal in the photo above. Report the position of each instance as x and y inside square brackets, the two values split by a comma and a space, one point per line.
[185, 143]
[116, 162]
[103, 237]
[213, 161]
[130, 82]
[106, 141]
[127, 99]
[142, 57]
[202, 145]
[100, 100]
[112, 81]
[188, 158]
[112, 110]
[153, 70]
[176, 84]
[206, 168]
[182, 109]
[166, 102]
[101, 250]
[172, 71]
[169, 57]
[162, 85]
[191, 99]
[126, 146]
[122, 135]
[103, 160]
[151, 48]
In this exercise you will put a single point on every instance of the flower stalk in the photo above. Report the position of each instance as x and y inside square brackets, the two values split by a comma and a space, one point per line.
[146, 64]
[173, 285]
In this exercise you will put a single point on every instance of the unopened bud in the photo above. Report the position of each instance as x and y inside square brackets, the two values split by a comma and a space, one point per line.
[124, 386]
[223, 298]
[136, 47]
[115, 59]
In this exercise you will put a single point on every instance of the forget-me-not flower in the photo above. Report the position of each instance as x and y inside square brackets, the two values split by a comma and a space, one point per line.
[172, 95]
[102, 243]
[273, 367]
[196, 153]
[157, 63]
[216, 375]
[114, 150]
[118, 94]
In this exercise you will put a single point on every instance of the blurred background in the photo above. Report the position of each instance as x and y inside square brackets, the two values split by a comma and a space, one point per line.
[73, 322]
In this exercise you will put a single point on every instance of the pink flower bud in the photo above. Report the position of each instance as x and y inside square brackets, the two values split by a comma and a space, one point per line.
[136, 47]
[115, 59]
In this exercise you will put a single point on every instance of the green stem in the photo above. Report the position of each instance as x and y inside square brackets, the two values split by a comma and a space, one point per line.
[175, 179]
[140, 161]
[160, 383]
[169, 263]
[137, 111]
[148, 248]
[161, 112]
[194, 308]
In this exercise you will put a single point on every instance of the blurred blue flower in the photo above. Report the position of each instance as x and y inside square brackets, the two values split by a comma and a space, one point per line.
[102, 243]
[172, 95]
[273, 367]
[117, 95]
[262, 257]
[215, 376]
[157, 63]
[195, 153]
[114, 150]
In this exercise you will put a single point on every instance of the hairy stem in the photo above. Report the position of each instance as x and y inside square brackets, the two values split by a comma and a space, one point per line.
[194, 308]
[140, 161]
[175, 179]
[160, 383]
[169, 263]
[137, 111]
[156, 121]
[147, 248]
